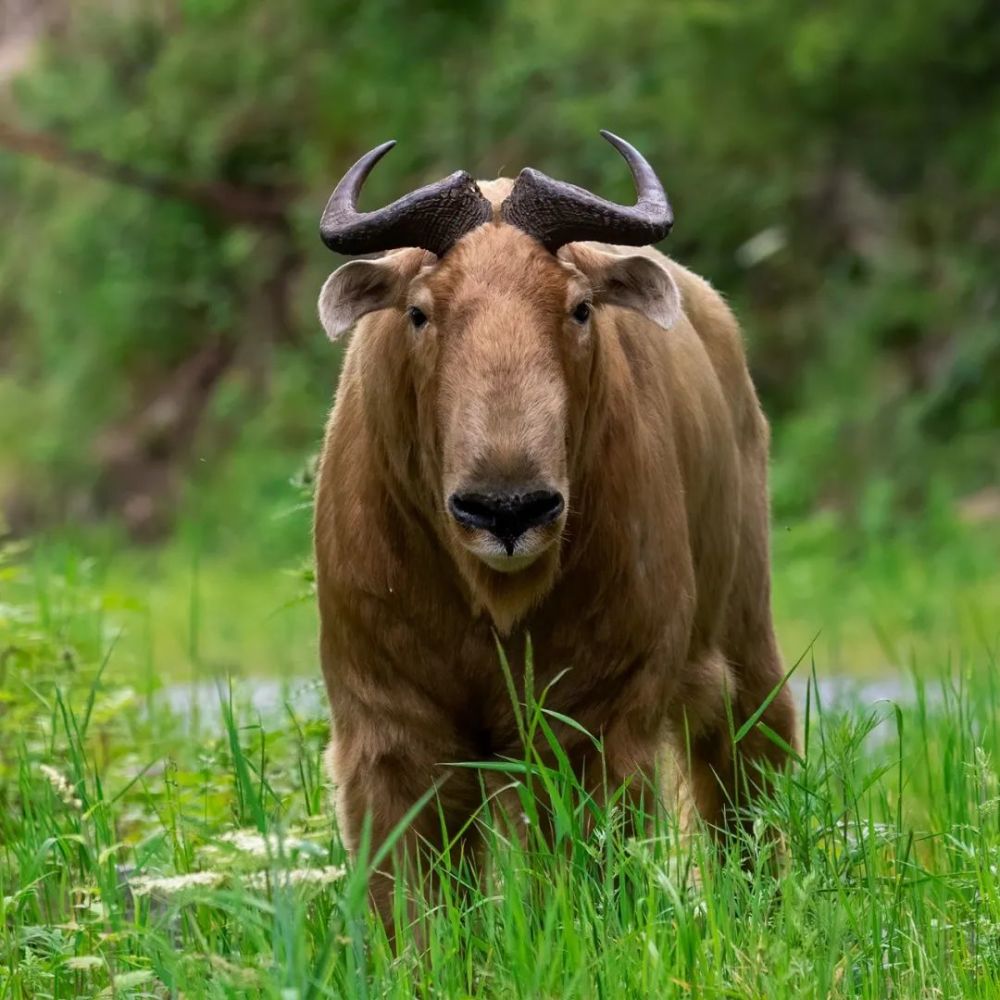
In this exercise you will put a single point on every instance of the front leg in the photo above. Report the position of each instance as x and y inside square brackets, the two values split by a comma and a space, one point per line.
[726, 780]
[381, 771]
[623, 769]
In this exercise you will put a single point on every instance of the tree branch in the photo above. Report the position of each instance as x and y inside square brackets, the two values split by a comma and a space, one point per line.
[231, 203]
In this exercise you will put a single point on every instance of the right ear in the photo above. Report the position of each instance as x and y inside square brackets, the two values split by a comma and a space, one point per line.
[364, 286]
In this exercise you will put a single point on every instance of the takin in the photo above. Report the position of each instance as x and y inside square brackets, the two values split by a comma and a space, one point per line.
[544, 430]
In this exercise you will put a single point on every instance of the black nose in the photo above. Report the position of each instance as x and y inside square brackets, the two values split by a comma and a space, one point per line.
[506, 515]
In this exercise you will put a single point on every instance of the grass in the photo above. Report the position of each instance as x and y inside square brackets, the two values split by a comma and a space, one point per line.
[880, 601]
[213, 603]
[890, 884]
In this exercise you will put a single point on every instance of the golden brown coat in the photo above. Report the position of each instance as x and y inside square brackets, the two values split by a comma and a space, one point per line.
[653, 596]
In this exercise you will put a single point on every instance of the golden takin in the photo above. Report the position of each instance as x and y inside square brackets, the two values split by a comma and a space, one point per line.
[539, 432]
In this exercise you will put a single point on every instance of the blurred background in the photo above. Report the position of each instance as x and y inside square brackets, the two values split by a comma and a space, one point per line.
[834, 170]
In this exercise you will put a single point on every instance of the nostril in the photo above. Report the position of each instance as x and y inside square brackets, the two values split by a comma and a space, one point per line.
[472, 509]
[506, 515]
[540, 508]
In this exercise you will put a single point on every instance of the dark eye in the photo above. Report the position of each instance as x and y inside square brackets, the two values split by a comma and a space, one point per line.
[582, 312]
[417, 317]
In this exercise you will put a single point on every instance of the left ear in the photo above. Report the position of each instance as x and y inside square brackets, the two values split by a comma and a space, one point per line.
[634, 281]
[360, 287]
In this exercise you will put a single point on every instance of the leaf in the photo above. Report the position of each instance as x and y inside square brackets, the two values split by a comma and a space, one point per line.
[776, 690]
[573, 724]
[778, 741]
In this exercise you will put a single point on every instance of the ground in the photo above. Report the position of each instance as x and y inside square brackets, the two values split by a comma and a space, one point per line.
[150, 850]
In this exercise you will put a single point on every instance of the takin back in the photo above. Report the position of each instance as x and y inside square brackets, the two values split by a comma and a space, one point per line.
[539, 432]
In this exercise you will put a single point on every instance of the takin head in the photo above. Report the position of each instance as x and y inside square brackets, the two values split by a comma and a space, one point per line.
[497, 300]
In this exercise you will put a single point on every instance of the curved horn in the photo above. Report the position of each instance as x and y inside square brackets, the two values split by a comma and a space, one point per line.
[557, 213]
[433, 217]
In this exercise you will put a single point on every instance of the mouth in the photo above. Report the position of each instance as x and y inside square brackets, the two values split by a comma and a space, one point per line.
[512, 562]
[507, 555]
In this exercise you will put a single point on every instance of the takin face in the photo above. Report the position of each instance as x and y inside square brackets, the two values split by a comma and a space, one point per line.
[501, 343]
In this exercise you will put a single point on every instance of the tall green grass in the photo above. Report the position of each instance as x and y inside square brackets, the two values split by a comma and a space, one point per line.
[143, 856]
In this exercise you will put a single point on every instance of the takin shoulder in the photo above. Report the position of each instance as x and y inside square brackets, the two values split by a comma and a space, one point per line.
[720, 334]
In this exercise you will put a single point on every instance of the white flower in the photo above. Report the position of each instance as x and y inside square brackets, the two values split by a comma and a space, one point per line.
[258, 846]
[61, 786]
[298, 876]
[84, 963]
[169, 885]
[252, 842]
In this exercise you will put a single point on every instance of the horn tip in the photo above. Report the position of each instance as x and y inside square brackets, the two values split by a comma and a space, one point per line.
[622, 145]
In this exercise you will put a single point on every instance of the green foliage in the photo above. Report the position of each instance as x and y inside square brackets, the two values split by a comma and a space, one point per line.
[833, 169]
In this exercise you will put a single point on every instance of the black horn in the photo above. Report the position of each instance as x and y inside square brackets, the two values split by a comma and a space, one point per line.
[557, 213]
[433, 217]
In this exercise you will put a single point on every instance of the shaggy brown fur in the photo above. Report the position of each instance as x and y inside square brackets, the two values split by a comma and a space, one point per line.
[652, 590]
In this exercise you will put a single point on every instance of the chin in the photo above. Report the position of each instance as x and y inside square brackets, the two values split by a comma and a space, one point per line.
[507, 587]
[500, 562]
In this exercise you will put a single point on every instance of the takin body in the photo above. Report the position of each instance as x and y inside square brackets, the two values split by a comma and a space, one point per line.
[565, 446]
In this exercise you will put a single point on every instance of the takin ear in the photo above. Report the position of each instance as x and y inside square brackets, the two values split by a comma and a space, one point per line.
[364, 286]
[633, 280]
